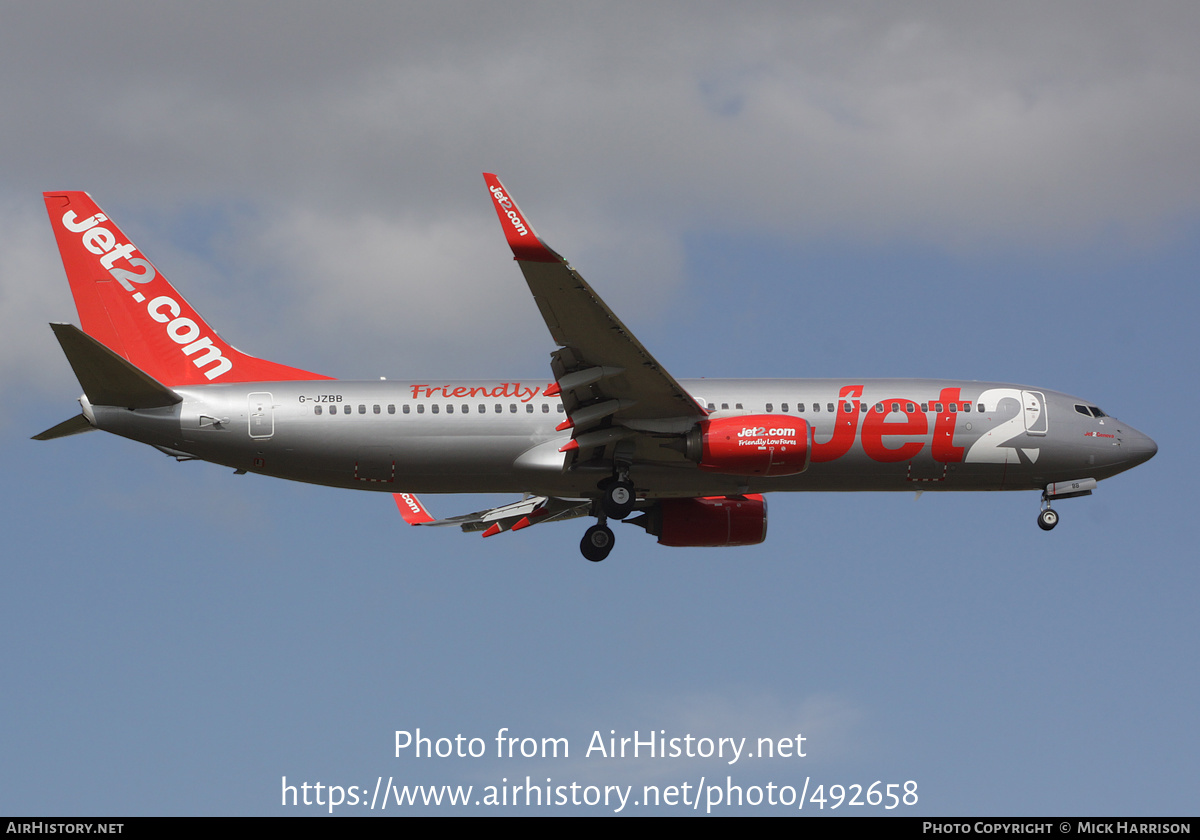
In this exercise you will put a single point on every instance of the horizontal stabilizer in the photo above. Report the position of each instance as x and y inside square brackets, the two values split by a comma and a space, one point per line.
[106, 378]
[76, 425]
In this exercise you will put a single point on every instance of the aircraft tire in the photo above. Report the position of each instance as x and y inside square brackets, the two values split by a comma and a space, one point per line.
[618, 499]
[1047, 519]
[597, 542]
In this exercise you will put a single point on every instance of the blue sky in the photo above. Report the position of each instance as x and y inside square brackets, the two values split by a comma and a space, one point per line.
[789, 191]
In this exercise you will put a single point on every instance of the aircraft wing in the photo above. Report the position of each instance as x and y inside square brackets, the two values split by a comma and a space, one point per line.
[534, 510]
[601, 370]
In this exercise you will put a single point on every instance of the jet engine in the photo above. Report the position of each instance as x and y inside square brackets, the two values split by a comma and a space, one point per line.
[755, 444]
[713, 521]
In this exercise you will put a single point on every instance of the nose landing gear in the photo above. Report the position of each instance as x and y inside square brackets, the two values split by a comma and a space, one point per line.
[1048, 518]
[1075, 488]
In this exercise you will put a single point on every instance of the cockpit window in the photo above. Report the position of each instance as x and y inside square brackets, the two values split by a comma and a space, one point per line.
[1082, 409]
[1097, 412]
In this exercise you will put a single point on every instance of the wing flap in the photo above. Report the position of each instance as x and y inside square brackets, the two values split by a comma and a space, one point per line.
[533, 510]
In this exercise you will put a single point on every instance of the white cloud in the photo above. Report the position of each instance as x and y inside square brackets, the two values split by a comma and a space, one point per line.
[33, 292]
[927, 121]
[363, 130]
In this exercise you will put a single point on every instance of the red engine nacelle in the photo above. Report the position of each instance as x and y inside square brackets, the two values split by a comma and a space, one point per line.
[710, 521]
[755, 444]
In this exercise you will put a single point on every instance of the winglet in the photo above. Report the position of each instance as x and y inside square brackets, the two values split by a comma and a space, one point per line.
[518, 231]
[411, 509]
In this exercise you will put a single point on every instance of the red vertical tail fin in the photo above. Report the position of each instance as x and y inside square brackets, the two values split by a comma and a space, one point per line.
[128, 306]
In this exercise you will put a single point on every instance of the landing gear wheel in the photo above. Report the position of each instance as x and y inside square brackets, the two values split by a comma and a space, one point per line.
[597, 543]
[1047, 519]
[618, 498]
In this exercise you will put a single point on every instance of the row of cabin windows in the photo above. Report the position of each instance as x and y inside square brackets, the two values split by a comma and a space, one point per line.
[848, 408]
[434, 408]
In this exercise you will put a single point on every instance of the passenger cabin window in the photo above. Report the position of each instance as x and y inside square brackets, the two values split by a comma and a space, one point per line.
[829, 407]
[847, 408]
[529, 408]
[954, 408]
[316, 409]
[420, 409]
[770, 407]
[362, 409]
[545, 408]
[512, 408]
[561, 410]
[879, 408]
[724, 406]
[784, 407]
[482, 408]
[737, 406]
[816, 406]
[938, 407]
[925, 406]
[375, 409]
[499, 408]
[391, 408]
[712, 406]
[450, 408]
[967, 407]
[799, 408]
[979, 407]
[434, 408]
[909, 407]
[895, 408]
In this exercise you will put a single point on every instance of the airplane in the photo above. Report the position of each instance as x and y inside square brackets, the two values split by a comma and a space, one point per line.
[611, 434]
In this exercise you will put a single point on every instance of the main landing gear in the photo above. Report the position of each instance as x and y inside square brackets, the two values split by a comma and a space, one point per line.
[617, 499]
[597, 542]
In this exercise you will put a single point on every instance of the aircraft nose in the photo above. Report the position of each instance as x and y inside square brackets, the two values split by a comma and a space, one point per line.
[1137, 447]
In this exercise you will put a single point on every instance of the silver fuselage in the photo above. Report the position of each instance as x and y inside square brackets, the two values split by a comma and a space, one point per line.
[499, 436]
